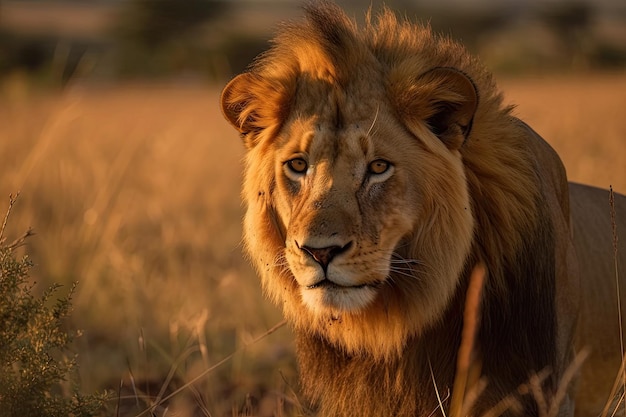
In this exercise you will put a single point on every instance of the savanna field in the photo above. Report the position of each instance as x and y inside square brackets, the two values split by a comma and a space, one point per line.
[133, 192]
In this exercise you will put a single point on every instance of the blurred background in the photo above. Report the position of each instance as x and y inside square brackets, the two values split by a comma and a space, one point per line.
[209, 40]
[111, 132]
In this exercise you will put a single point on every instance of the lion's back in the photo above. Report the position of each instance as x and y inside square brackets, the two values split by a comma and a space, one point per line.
[598, 322]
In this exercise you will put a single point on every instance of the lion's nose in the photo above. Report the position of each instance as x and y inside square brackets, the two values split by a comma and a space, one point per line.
[324, 256]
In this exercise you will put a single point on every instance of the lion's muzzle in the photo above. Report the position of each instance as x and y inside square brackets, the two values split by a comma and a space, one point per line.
[323, 256]
[330, 274]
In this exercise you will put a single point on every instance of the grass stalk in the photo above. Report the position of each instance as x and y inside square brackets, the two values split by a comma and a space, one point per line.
[620, 380]
[215, 366]
[468, 367]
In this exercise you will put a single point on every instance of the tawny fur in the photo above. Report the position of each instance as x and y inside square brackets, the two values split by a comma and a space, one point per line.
[471, 183]
[602, 264]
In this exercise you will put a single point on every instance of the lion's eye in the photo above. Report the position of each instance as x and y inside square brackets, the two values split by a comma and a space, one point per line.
[379, 166]
[297, 165]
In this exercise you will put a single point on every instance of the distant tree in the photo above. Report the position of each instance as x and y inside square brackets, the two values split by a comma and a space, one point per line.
[162, 37]
[151, 23]
[569, 18]
[571, 23]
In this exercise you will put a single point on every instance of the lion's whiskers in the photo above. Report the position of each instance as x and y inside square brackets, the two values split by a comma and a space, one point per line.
[402, 267]
[395, 272]
[280, 262]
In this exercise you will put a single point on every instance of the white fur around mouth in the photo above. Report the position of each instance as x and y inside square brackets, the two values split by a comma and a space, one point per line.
[326, 296]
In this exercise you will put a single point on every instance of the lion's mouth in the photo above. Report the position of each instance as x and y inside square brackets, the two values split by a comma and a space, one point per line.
[328, 284]
[328, 296]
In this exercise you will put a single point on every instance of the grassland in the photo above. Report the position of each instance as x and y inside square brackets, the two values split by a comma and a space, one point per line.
[133, 191]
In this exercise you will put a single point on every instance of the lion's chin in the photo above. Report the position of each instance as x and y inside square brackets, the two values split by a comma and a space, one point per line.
[326, 297]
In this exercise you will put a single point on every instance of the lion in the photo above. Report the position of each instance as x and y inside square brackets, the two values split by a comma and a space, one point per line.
[382, 167]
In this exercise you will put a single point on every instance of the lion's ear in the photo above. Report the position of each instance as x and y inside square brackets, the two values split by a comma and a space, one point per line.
[235, 102]
[446, 99]
[252, 104]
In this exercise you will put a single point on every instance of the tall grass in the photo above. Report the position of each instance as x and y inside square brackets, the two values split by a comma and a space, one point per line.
[133, 191]
[582, 117]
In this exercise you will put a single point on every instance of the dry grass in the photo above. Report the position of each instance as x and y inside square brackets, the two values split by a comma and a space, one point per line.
[134, 192]
[583, 119]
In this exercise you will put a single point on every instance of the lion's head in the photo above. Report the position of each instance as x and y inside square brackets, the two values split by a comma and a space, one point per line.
[359, 216]
[381, 167]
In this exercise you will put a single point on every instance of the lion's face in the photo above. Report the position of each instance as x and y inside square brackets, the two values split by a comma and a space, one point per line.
[358, 216]
[346, 200]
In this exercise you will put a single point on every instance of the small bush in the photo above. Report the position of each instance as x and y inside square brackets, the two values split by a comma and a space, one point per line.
[35, 370]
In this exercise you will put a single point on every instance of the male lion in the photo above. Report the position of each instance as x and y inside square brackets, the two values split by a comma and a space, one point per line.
[382, 167]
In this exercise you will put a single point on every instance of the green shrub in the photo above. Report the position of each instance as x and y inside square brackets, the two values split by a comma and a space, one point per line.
[37, 377]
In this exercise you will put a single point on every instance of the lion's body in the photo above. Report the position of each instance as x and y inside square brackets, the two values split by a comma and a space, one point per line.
[598, 327]
[381, 168]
